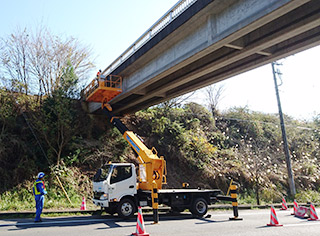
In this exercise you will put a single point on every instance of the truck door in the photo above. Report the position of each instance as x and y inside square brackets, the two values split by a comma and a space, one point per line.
[122, 182]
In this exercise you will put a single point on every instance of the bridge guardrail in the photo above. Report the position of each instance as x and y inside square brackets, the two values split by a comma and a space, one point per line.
[102, 87]
[166, 19]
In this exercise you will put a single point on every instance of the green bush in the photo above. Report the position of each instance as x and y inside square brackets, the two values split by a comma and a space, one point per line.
[308, 196]
[271, 195]
[76, 185]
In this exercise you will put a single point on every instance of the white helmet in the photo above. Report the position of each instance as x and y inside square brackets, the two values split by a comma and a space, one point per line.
[41, 175]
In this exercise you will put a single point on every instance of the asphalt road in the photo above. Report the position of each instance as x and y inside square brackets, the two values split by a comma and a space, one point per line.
[253, 223]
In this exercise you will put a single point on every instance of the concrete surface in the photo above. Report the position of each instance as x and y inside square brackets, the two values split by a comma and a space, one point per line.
[212, 41]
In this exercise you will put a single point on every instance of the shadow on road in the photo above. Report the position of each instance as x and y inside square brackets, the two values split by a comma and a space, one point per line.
[22, 224]
[207, 221]
[111, 222]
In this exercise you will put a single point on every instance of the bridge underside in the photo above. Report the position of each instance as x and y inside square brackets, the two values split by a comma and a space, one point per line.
[220, 40]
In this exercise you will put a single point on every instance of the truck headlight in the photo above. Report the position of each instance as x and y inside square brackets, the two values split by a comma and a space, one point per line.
[104, 196]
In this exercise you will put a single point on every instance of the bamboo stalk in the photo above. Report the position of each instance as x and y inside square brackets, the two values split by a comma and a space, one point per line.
[229, 187]
[63, 189]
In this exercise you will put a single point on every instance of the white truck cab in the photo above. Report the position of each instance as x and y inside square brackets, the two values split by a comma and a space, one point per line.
[112, 184]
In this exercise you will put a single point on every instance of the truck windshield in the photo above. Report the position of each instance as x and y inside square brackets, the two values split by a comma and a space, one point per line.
[120, 173]
[102, 173]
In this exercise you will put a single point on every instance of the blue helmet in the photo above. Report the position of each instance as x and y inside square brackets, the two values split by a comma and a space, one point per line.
[41, 175]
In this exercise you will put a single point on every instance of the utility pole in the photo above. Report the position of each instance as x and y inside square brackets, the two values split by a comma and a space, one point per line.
[283, 129]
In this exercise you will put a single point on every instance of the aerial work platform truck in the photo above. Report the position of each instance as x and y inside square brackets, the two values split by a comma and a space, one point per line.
[116, 186]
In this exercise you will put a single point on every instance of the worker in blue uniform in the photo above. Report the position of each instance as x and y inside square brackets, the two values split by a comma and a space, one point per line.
[39, 192]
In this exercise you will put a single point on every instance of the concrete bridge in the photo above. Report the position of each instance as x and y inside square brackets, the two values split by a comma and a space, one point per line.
[200, 42]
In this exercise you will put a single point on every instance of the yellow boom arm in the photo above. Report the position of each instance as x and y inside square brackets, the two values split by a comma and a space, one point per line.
[151, 167]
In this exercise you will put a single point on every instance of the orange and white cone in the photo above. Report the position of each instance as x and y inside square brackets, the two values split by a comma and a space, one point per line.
[273, 218]
[295, 207]
[284, 204]
[83, 204]
[140, 229]
[313, 213]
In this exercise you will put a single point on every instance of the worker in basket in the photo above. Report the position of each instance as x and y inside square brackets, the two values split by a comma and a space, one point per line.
[98, 74]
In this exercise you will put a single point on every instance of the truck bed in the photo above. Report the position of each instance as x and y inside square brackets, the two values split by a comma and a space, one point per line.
[186, 190]
[181, 198]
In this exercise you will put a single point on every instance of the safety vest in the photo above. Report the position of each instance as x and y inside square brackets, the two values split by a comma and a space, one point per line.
[35, 190]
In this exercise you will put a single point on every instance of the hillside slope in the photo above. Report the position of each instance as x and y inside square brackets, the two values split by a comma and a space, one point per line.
[202, 150]
[240, 144]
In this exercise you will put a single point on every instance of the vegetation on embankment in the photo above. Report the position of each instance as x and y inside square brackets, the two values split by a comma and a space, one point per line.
[204, 151]
[50, 132]
[238, 144]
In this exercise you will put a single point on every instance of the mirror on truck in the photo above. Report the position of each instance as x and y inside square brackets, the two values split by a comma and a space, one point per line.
[96, 177]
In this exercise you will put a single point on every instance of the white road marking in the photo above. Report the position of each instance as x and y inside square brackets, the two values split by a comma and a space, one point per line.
[213, 214]
[247, 213]
[303, 224]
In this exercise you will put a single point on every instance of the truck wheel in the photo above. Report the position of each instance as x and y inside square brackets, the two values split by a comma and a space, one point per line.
[199, 207]
[126, 208]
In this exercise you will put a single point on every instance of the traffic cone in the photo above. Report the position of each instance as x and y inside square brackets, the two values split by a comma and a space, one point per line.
[273, 218]
[284, 204]
[313, 213]
[295, 207]
[83, 204]
[140, 229]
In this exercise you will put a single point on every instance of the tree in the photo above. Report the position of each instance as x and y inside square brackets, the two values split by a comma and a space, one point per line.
[40, 63]
[14, 61]
[214, 95]
[176, 102]
[34, 62]
[57, 120]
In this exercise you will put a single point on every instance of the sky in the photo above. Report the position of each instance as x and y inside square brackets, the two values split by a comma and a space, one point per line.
[109, 27]
[299, 92]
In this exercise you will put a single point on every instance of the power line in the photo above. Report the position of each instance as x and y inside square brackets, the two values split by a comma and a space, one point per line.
[35, 136]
